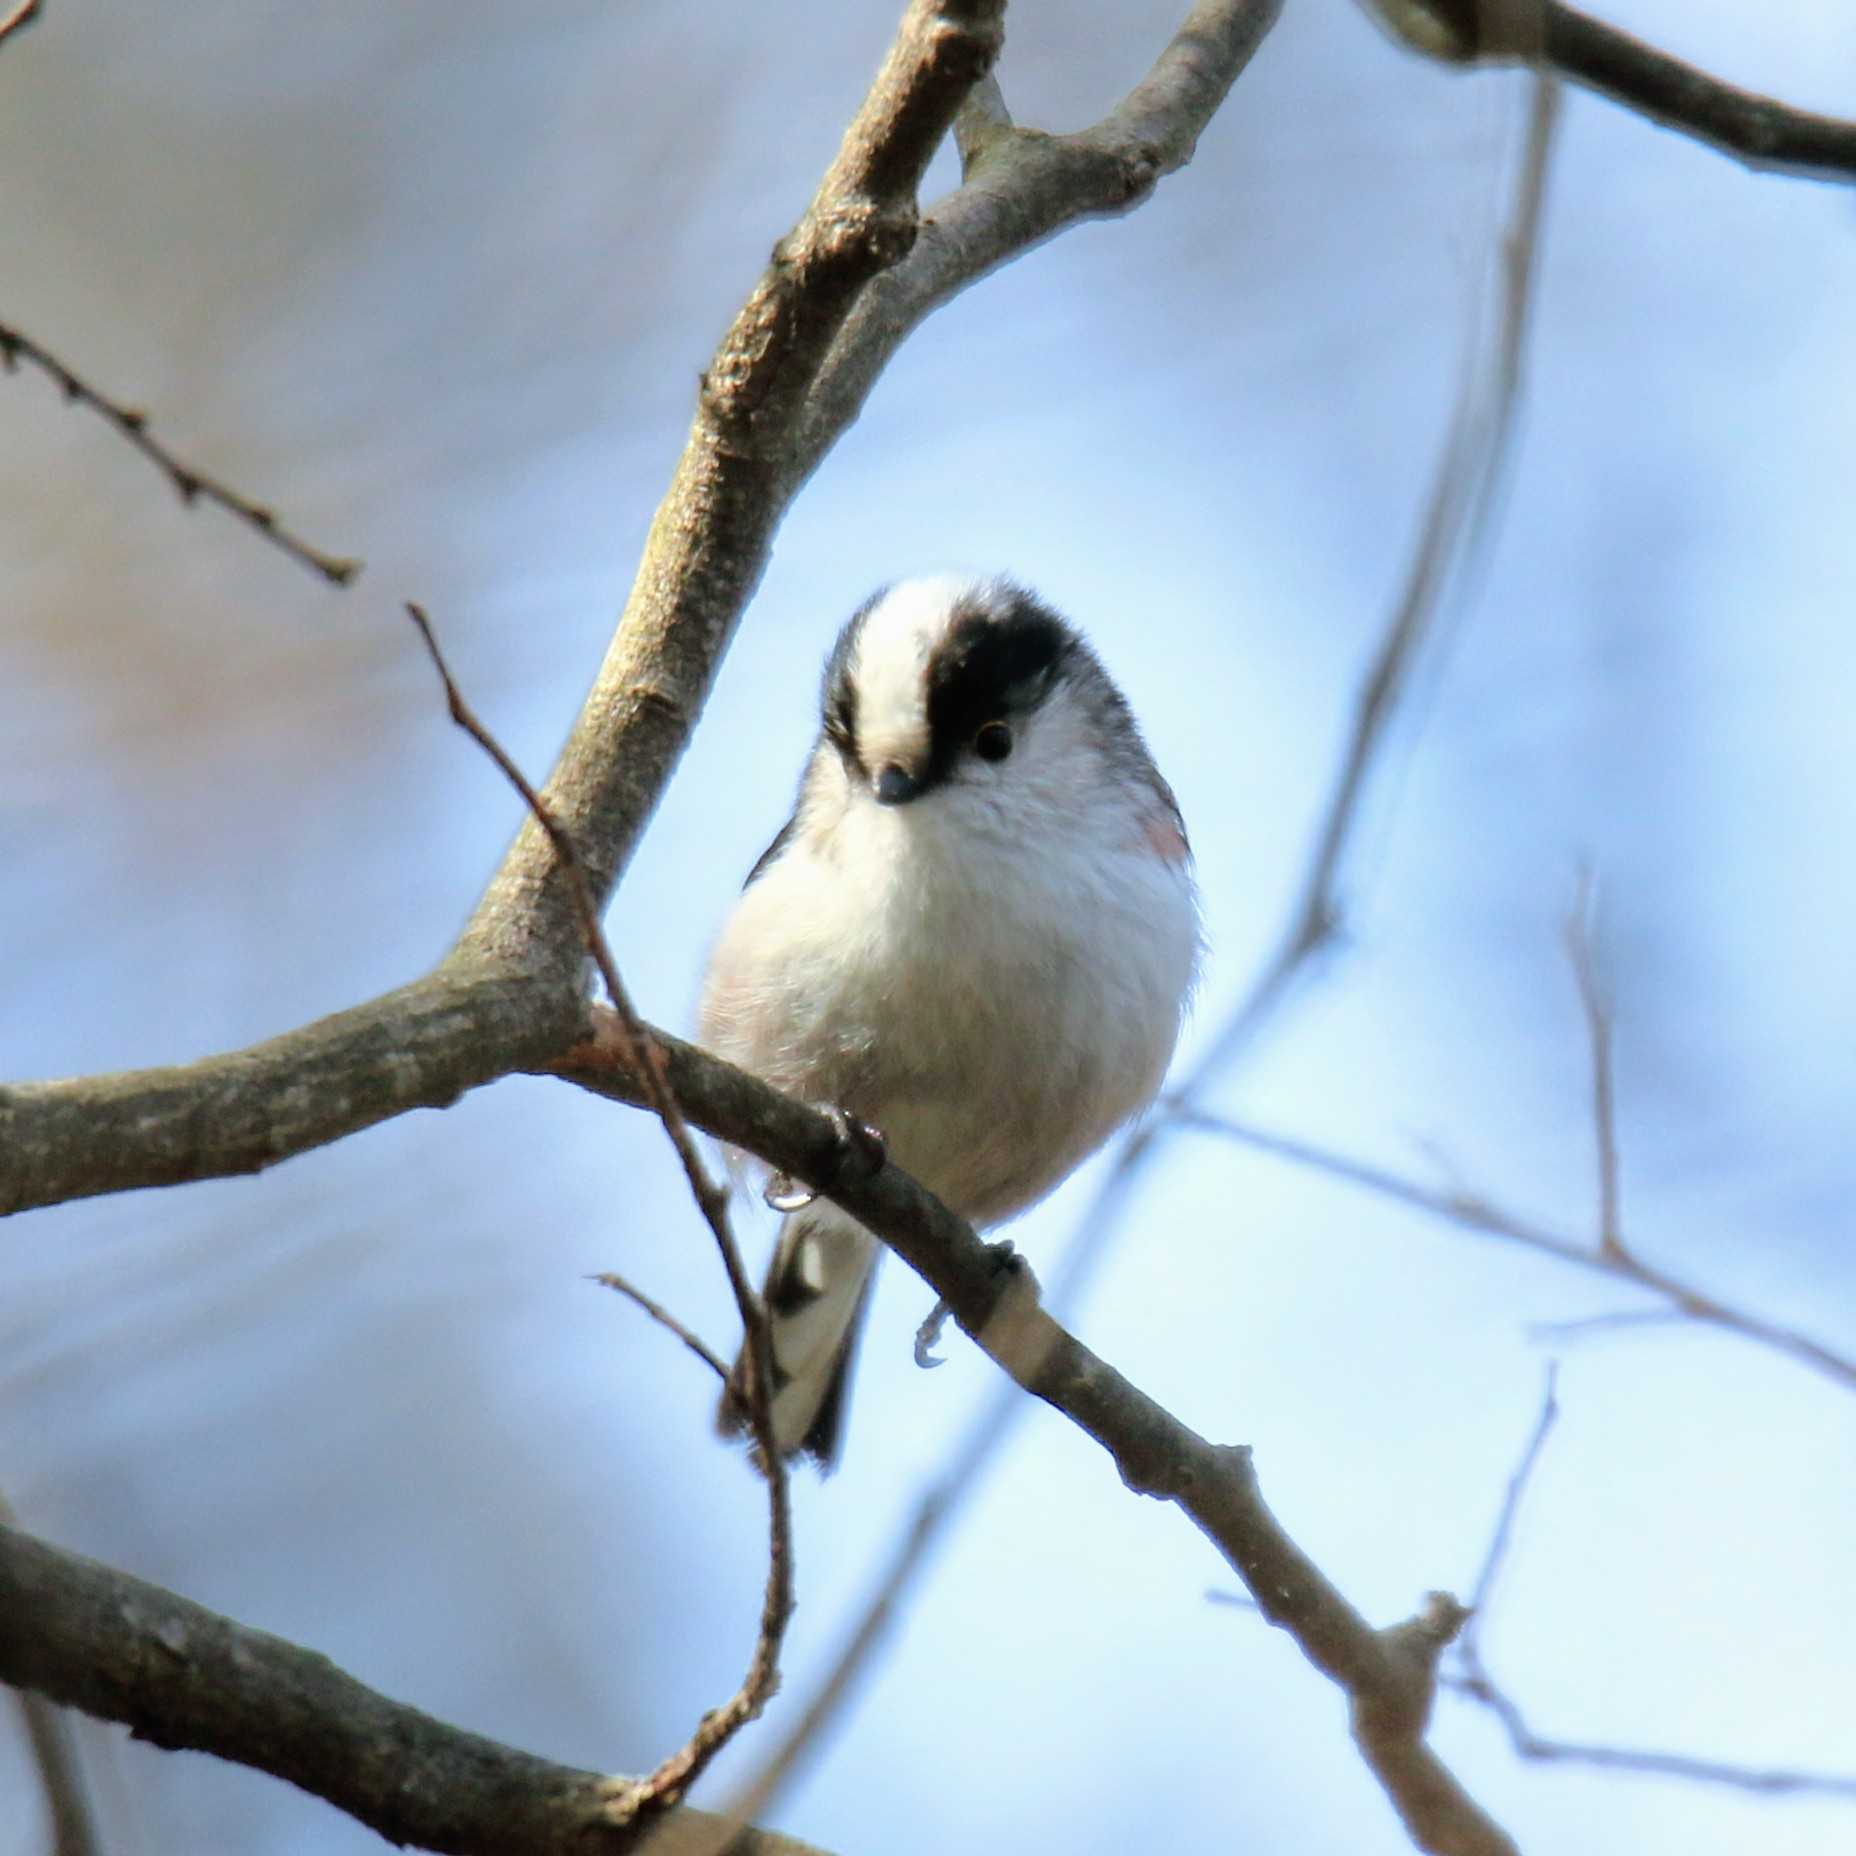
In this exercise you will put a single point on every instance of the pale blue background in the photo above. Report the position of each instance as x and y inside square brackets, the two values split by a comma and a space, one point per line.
[439, 280]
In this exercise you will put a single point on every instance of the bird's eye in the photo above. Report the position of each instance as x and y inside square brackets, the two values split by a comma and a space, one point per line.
[993, 742]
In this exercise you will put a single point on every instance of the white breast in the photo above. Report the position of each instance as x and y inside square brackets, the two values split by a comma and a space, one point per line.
[996, 1007]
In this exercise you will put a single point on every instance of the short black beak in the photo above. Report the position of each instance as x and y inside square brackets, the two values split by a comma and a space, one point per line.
[896, 786]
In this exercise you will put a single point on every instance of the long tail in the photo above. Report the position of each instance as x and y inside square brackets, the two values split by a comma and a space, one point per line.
[816, 1289]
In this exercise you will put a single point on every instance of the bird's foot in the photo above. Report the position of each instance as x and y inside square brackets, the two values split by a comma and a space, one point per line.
[1005, 1260]
[855, 1152]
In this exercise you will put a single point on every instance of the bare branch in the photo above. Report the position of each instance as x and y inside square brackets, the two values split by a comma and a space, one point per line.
[1472, 1212]
[190, 484]
[1469, 1641]
[22, 16]
[420, 1046]
[709, 542]
[1595, 1008]
[1582, 1326]
[1461, 496]
[665, 1786]
[1758, 130]
[1770, 1780]
[1022, 187]
[179, 1675]
[610, 1279]
[847, 1669]
[1471, 1677]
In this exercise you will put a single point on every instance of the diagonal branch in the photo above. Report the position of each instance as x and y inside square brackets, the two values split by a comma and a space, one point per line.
[23, 15]
[1462, 494]
[420, 1046]
[610, 1279]
[191, 484]
[1473, 1212]
[1021, 187]
[1758, 130]
[710, 540]
[1153, 1452]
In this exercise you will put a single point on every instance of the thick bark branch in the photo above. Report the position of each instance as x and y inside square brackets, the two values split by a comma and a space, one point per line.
[182, 1676]
[1022, 187]
[710, 540]
[421, 1046]
[792, 374]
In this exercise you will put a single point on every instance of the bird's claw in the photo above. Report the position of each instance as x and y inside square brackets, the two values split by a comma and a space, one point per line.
[858, 1151]
[928, 1336]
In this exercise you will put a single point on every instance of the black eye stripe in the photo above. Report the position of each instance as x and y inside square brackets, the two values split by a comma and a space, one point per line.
[997, 661]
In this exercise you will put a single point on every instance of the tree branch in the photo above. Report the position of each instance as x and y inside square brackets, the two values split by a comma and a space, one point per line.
[420, 1046]
[709, 542]
[23, 15]
[1021, 187]
[1154, 1453]
[1757, 130]
[1473, 1212]
[1470, 1676]
[179, 1675]
[190, 483]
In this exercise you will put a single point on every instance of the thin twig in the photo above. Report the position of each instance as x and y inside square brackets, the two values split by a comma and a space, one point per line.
[1595, 1008]
[1583, 1326]
[1454, 516]
[1473, 1212]
[664, 1318]
[841, 1680]
[666, 1785]
[1768, 1780]
[1462, 495]
[21, 17]
[190, 484]
[1469, 1641]
[1470, 1675]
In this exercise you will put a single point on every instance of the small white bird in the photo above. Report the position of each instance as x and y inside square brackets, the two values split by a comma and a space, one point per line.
[977, 933]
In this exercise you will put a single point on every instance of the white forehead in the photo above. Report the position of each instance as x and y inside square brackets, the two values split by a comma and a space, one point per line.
[893, 649]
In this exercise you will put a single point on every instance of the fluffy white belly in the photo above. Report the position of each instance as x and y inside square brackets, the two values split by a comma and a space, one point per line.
[996, 1033]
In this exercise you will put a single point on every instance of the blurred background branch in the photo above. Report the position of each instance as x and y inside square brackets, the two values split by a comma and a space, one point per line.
[1467, 1672]
[1759, 130]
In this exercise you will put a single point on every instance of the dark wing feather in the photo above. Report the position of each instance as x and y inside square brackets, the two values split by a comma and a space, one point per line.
[782, 838]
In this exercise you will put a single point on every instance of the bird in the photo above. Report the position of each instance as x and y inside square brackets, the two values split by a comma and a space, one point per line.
[978, 934]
